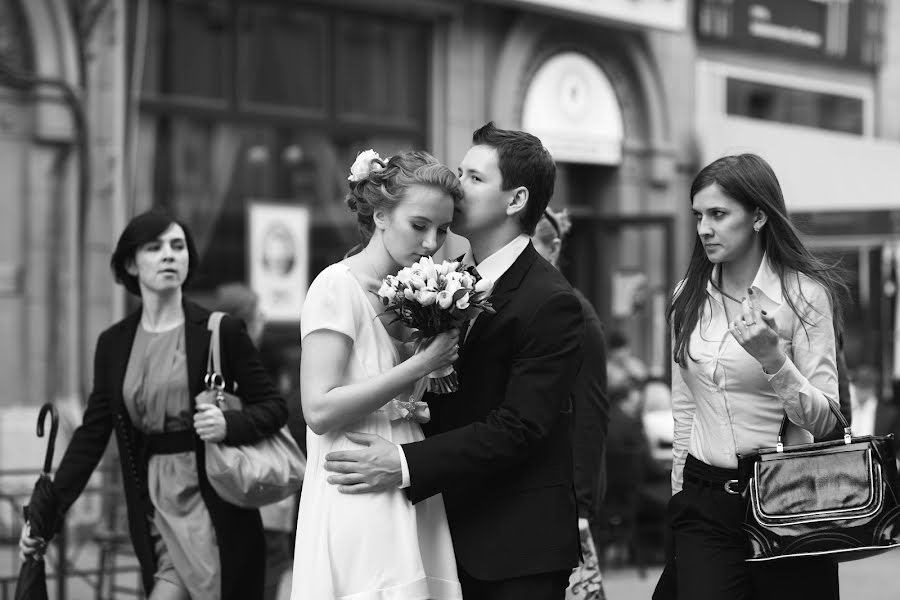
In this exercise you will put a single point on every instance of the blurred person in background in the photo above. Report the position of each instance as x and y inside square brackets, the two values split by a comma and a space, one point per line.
[626, 373]
[148, 368]
[278, 519]
[873, 415]
[591, 407]
[630, 463]
[753, 326]
[864, 400]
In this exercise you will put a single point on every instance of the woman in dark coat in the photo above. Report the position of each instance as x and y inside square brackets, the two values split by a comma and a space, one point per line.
[148, 368]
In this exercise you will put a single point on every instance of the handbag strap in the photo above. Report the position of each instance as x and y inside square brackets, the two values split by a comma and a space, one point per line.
[835, 409]
[214, 363]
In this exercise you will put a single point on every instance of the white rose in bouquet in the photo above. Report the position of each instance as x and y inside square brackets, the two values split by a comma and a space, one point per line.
[483, 285]
[426, 297]
[463, 302]
[417, 282]
[452, 286]
[445, 299]
[387, 291]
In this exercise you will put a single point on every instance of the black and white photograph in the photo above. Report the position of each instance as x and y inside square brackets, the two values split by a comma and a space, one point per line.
[449, 299]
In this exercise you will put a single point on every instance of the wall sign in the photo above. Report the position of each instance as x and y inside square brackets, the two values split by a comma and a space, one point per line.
[669, 15]
[848, 32]
[278, 253]
[571, 105]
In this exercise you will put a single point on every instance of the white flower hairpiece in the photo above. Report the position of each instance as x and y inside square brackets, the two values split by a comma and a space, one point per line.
[365, 163]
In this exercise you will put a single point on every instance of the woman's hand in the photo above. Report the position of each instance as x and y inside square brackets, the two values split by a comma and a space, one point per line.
[29, 546]
[210, 423]
[757, 333]
[440, 351]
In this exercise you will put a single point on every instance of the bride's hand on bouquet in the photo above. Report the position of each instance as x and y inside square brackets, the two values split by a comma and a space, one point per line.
[439, 351]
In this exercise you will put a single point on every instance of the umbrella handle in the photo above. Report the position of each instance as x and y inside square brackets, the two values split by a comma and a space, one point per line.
[54, 425]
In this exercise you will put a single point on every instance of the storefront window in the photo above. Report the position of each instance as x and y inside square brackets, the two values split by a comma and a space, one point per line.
[188, 50]
[376, 63]
[14, 48]
[207, 172]
[794, 106]
[297, 92]
[283, 59]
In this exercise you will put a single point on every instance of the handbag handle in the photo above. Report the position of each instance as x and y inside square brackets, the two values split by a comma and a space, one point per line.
[214, 379]
[835, 409]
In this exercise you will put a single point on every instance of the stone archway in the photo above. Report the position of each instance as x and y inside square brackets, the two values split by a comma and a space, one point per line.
[608, 194]
[627, 64]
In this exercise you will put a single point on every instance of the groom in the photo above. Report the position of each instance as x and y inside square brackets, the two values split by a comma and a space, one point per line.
[500, 448]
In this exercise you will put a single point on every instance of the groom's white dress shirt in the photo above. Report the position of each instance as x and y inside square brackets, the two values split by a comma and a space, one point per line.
[493, 267]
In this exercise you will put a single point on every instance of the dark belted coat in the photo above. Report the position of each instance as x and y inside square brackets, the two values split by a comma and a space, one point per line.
[238, 531]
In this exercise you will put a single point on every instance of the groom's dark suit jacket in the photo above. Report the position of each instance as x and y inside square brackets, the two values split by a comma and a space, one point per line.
[500, 448]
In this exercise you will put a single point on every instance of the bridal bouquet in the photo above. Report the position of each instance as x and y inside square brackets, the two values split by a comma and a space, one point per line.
[433, 298]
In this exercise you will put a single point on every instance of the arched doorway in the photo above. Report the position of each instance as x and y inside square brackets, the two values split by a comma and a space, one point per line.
[593, 95]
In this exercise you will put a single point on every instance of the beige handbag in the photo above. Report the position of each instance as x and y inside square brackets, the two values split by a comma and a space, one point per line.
[251, 475]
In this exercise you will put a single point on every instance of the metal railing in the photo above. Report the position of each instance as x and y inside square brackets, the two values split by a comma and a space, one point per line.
[66, 560]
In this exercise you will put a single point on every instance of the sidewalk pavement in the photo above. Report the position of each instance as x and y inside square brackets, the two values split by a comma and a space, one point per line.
[869, 579]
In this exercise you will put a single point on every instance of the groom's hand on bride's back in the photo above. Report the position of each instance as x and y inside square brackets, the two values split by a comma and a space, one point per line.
[375, 468]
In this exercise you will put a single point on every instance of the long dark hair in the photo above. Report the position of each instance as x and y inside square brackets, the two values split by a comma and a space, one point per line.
[750, 181]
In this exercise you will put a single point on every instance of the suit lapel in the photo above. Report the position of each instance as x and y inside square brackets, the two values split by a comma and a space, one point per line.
[503, 291]
[196, 345]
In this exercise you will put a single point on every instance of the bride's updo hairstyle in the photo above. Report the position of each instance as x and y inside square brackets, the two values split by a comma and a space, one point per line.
[381, 185]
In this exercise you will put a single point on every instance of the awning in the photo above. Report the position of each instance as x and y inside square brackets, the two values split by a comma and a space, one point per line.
[818, 170]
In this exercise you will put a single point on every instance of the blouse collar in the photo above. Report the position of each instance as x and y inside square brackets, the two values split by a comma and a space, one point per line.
[766, 281]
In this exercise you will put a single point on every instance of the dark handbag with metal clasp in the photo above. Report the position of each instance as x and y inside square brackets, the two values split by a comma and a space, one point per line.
[836, 499]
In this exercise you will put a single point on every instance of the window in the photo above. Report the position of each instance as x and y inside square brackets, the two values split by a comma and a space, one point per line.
[796, 106]
[15, 47]
[284, 60]
[188, 50]
[270, 101]
[376, 66]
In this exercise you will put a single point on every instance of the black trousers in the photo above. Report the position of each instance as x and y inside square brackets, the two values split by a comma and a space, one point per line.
[710, 547]
[543, 586]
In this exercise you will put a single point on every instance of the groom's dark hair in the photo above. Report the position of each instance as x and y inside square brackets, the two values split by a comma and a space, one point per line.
[524, 162]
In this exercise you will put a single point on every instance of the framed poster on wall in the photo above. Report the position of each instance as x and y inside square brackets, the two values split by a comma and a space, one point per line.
[278, 255]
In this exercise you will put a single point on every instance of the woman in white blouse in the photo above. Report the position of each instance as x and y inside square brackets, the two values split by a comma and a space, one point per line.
[753, 327]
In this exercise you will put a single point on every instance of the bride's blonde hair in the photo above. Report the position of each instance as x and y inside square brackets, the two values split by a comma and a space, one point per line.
[383, 189]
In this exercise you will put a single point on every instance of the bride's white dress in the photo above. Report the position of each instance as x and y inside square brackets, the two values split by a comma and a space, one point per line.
[365, 546]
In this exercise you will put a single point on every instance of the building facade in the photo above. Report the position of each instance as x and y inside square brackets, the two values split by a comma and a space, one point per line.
[236, 115]
[812, 86]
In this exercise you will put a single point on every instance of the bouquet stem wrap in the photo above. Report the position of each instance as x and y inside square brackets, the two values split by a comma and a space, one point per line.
[443, 381]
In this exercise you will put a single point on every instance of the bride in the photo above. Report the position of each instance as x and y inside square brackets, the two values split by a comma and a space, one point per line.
[354, 373]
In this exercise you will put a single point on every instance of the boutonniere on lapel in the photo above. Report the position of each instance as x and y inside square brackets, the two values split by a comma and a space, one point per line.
[432, 298]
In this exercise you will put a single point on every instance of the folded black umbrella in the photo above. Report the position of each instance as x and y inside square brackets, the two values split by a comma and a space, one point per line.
[42, 514]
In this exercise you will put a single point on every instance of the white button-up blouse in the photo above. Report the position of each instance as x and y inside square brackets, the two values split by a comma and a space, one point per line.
[724, 404]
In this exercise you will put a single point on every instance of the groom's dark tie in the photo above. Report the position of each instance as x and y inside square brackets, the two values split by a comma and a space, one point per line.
[463, 329]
